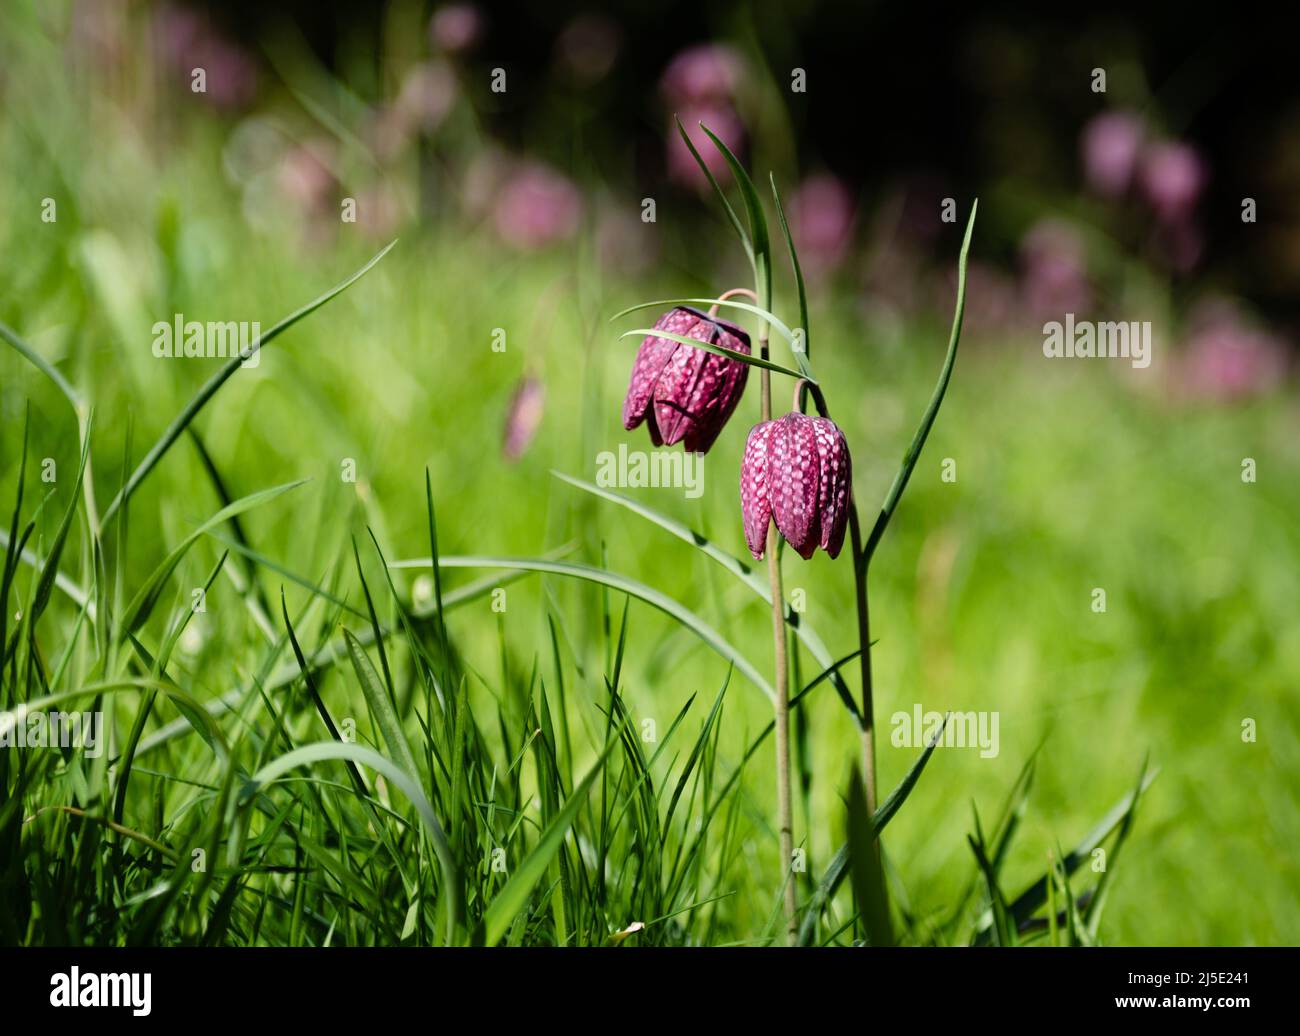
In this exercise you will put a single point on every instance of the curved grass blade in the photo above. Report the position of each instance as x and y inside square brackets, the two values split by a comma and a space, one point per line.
[321, 751]
[147, 596]
[757, 220]
[802, 629]
[381, 706]
[513, 897]
[210, 387]
[936, 399]
[41, 364]
[721, 350]
[767, 315]
[864, 864]
[1024, 905]
[51, 570]
[322, 659]
[839, 864]
[604, 577]
[800, 355]
[722, 197]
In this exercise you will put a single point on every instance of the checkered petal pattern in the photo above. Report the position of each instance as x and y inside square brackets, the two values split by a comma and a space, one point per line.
[796, 472]
[686, 394]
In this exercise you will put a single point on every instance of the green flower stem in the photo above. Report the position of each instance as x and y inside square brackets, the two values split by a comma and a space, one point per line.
[780, 683]
[864, 659]
[802, 389]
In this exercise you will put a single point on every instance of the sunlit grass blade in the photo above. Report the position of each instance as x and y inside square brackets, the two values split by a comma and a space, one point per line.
[614, 581]
[721, 350]
[839, 864]
[758, 235]
[741, 570]
[508, 904]
[806, 349]
[732, 218]
[381, 706]
[765, 314]
[1092, 913]
[864, 865]
[147, 596]
[360, 754]
[41, 363]
[210, 387]
[936, 399]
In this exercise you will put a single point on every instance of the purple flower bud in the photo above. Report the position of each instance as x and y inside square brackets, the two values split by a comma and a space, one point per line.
[686, 394]
[821, 219]
[796, 472]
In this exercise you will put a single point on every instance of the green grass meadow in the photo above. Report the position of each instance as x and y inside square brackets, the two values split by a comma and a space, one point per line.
[548, 811]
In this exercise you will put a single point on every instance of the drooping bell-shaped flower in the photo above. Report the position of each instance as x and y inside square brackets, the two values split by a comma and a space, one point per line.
[686, 394]
[796, 472]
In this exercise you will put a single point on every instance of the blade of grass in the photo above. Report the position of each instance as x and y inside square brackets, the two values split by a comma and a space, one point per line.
[210, 387]
[932, 409]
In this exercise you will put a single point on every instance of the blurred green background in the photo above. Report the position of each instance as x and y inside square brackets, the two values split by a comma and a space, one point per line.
[523, 212]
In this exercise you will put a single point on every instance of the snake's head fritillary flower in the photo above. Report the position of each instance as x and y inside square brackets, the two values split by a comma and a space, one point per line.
[686, 394]
[797, 473]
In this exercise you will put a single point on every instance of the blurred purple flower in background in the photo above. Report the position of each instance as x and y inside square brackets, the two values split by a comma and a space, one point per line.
[1225, 359]
[623, 243]
[304, 176]
[523, 416]
[428, 93]
[821, 212]
[991, 298]
[700, 86]
[1054, 271]
[724, 123]
[587, 48]
[455, 28]
[537, 206]
[187, 42]
[381, 210]
[1172, 176]
[1111, 144]
[702, 74]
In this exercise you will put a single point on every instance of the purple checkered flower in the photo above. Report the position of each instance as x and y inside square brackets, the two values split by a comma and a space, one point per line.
[796, 472]
[686, 394]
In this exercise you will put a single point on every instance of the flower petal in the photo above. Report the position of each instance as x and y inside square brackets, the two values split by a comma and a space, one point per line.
[754, 504]
[835, 484]
[792, 482]
[651, 357]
